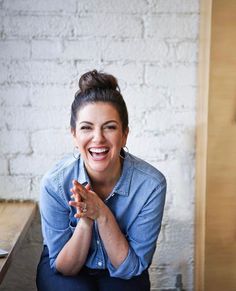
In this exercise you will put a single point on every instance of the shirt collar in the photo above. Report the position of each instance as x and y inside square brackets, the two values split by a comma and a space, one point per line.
[83, 177]
[123, 184]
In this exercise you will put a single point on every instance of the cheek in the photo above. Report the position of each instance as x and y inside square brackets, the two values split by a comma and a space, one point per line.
[81, 141]
[119, 141]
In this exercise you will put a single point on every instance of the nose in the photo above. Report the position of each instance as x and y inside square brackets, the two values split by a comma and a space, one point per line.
[98, 136]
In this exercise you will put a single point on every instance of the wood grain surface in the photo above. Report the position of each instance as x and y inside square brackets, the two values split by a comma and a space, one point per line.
[15, 219]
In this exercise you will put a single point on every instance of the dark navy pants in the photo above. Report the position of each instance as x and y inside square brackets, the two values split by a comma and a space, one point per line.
[86, 280]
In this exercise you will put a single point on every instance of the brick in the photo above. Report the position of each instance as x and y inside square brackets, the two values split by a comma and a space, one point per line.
[187, 51]
[144, 98]
[14, 49]
[160, 121]
[46, 49]
[176, 6]
[160, 277]
[4, 76]
[175, 75]
[136, 123]
[14, 96]
[35, 119]
[2, 121]
[13, 142]
[34, 165]
[126, 73]
[182, 51]
[177, 229]
[113, 6]
[14, 187]
[184, 98]
[82, 49]
[3, 164]
[35, 188]
[172, 26]
[171, 263]
[183, 141]
[35, 26]
[179, 174]
[108, 25]
[136, 50]
[38, 72]
[151, 150]
[59, 6]
[185, 251]
[1, 27]
[49, 97]
[55, 142]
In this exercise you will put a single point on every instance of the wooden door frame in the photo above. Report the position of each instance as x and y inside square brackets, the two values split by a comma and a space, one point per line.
[215, 229]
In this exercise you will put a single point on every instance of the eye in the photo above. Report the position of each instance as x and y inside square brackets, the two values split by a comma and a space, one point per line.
[85, 127]
[110, 127]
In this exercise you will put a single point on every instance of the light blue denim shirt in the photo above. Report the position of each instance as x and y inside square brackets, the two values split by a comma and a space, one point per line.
[137, 202]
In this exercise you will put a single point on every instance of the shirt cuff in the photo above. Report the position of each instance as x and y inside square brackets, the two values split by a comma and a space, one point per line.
[129, 268]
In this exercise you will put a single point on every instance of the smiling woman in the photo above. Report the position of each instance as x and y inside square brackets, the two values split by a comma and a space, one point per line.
[101, 213]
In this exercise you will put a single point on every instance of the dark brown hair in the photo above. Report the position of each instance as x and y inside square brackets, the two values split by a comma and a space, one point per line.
[99, 87]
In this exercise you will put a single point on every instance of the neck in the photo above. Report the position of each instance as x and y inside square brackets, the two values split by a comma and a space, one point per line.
[104, 182]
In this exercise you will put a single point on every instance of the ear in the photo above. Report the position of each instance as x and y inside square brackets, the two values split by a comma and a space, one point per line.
[125, 136]
[73, 132]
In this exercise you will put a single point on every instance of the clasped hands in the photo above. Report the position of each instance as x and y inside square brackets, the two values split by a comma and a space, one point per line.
[86, 201]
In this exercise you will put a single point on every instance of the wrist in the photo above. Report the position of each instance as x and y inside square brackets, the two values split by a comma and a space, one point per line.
[85, 223]
[103, 214]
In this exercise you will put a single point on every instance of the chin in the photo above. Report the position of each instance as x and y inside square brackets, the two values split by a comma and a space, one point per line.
[97, 166]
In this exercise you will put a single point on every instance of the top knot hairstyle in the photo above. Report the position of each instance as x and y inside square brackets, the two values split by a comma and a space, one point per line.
[99, 87]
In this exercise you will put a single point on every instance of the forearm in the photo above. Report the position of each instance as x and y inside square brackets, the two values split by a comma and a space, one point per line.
[114, 241]
[73, 255]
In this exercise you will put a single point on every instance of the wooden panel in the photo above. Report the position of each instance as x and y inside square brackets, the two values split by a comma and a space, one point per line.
[201, 142]
[215, 256]
[15, 218]
[220, 243]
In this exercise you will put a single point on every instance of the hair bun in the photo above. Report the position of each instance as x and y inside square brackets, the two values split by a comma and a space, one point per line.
[93, 80]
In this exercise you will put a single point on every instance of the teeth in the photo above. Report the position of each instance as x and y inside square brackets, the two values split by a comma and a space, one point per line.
[98, 150]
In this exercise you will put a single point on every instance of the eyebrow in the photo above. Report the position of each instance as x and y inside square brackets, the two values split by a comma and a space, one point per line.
[109, 121]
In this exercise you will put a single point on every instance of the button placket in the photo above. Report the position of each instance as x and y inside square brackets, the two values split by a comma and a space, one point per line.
[100, 257]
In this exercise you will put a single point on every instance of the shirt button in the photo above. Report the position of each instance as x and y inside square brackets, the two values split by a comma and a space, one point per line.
[98, 242]
[99, 264]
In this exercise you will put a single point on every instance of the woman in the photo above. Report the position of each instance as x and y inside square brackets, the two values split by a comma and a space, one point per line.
[101, 211]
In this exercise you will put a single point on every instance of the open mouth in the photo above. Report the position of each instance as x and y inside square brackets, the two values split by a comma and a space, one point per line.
[98, 153]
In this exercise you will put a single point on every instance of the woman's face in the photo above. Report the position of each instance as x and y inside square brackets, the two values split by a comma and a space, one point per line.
[99, 137]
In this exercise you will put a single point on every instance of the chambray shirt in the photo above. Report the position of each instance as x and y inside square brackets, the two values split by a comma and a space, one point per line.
[137, 203]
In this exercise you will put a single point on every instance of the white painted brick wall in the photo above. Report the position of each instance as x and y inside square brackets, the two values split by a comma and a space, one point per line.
[151, 46]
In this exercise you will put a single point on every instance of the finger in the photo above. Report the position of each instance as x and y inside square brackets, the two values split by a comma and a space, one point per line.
[80, 215]
[71, 203]
[74, 203]
[82, 206]
[80, 189]
[82, 212]
[76, 197]
[88, 187]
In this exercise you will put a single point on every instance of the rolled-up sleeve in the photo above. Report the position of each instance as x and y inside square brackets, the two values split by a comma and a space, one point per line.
[54, 218]
[142, 236]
